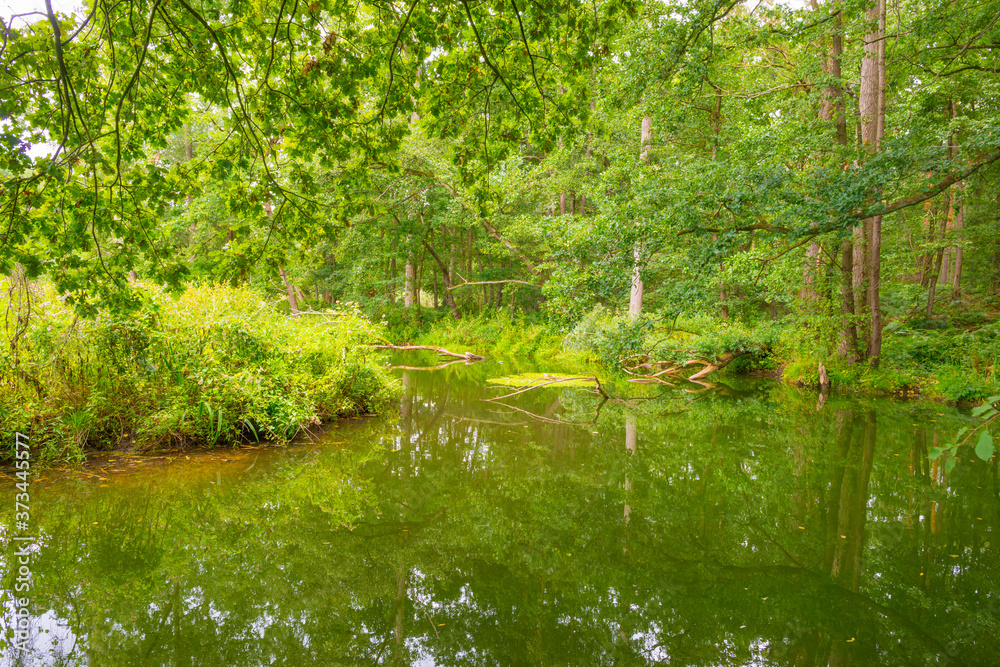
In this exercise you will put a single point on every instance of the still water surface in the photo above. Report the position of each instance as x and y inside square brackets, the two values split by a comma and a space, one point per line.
[736, 526]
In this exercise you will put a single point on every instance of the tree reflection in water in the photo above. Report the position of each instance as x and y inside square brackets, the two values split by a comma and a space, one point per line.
[747, 529]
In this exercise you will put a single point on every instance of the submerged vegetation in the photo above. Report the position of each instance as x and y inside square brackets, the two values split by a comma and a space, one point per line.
[214, 365]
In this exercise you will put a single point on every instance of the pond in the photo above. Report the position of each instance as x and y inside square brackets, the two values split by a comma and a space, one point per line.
[744, 524]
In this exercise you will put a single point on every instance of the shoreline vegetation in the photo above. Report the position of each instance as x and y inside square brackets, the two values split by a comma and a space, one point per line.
[203, 244]
[951, 359]
[215, 366]
[219, 366]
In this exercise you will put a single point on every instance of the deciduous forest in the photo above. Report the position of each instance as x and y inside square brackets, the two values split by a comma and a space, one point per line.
[209, 207]
[500, 332]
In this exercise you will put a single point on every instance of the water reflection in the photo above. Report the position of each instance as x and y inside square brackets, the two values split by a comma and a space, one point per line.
[746, 529]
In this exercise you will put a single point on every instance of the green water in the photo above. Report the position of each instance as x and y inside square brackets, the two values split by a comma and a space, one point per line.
[736, 526]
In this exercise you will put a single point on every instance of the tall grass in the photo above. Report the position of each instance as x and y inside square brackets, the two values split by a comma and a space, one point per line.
[216, 365]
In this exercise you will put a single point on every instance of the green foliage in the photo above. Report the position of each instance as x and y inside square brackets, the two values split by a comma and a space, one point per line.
[616, 338]
[493, 332]
[217, 365]
[612, 337]
[987, 413]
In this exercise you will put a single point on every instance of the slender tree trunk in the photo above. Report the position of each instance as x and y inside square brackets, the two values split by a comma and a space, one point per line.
[927, 259]
[499, 299]
[827, 110]
[391, 288]
[835, 108]
[410, 275]
[872, 109]
[636, 293]
[848, 346]
[434, 276]
[188, 156]
[483, 291]
[716, 116]
[446, 279]
[492, 291]
[956, 280]
[293, 304]
[420, 282]
[938, 272]
[635, 296]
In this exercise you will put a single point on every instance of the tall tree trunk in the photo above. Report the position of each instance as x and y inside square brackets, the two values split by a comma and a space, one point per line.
[410, 276]
[835, 108]
[827, 110]
[937, 272]
[499, 298]
[391, 287]
[872, 110]
[446, 279]
[956, 279]
[434, 277]
[636, 293]
[716, 117]
[927, 260]
[193, 225]
[420, 281]
[847, 349]
[492, 291]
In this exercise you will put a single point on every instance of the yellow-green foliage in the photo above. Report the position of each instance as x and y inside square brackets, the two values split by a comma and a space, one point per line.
[495, 334]
[215, 365]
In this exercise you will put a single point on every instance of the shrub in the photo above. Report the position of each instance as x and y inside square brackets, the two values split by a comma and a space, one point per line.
[215, 365]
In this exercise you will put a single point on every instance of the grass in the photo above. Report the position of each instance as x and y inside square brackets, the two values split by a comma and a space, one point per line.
[214, 366]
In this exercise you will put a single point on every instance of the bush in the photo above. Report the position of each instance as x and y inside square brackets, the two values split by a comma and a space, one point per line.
[614, 338]
[955, 384]
[215, 366]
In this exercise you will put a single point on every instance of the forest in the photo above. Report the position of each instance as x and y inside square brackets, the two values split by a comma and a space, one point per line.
[500, 332]
[211, 211]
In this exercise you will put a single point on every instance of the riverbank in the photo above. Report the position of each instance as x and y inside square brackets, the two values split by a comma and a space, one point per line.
[213, 366]
[950, 360]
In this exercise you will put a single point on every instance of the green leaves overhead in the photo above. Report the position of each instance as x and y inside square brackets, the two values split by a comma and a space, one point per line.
[286, 85]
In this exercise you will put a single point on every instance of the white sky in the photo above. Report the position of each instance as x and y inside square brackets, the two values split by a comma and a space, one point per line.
[10, 8]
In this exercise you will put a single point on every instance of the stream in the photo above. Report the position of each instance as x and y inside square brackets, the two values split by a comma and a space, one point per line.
[740, 525]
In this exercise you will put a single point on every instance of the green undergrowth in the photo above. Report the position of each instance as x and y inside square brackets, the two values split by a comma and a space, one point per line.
[215, 366]
[949, 361]
[620, 340]
[495, 333]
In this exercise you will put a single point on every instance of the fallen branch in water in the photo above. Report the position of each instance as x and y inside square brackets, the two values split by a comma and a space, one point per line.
[709, 367]
[556, 380]
[468, 356]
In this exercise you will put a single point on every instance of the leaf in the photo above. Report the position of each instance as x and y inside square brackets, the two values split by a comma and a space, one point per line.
[950, 465]
[934, 453]
[983, 409]
[984, 449]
